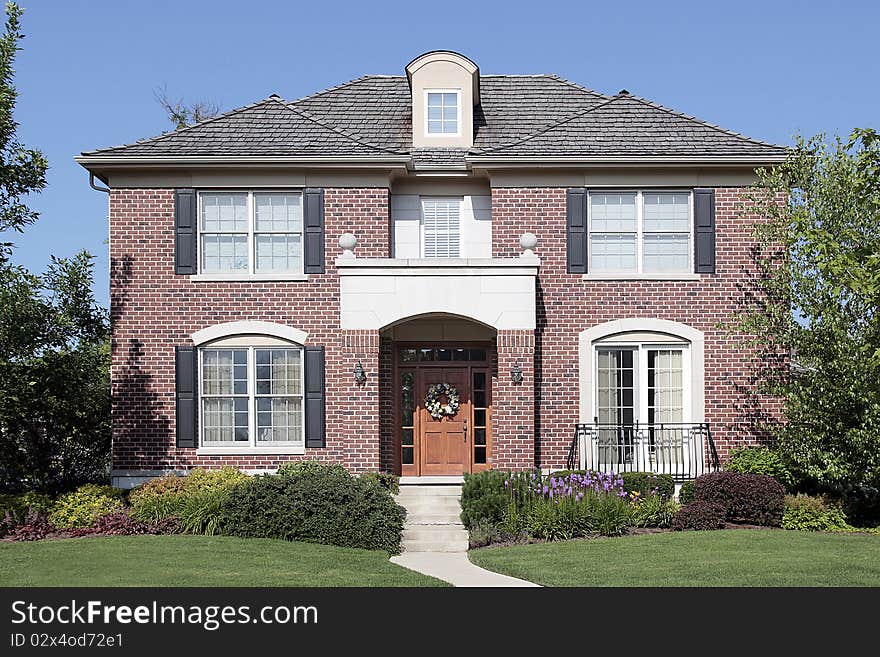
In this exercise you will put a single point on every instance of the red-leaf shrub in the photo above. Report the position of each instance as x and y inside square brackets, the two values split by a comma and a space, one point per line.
[34, 528]
[121, 524]
[747, 498]
[700, 516]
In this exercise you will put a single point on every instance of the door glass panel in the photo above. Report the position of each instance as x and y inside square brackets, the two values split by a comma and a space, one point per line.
[479, 417]
[665, 405]
[407, 456]
[479, 380]
[479, 454]
[616, 404]
[408, 356]
[407, 413]
[479, 436]
[480, 396]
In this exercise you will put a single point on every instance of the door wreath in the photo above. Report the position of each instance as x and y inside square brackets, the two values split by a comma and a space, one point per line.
[433, 404]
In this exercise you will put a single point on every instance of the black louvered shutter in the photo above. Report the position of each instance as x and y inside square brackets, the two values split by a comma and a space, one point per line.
[185, 369]
[185, 231]
[315, 423]
[704, 231]
[313, 211]
[576, 230]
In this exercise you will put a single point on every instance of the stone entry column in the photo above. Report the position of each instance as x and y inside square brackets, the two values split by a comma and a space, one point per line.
[513, 403]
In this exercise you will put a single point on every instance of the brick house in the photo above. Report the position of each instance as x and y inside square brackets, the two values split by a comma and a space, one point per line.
[431, 274]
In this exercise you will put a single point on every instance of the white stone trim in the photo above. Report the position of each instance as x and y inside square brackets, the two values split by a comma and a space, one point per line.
[251, 451]
[692, 336]
[640, 277]
[246, 278]
[248, 327]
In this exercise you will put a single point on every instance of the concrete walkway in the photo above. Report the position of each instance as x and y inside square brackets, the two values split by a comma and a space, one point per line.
[455, 568]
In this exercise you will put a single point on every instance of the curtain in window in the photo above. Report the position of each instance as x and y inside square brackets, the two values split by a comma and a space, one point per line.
[613, 233]
[665, 403]
[224, 395]
[279, 395]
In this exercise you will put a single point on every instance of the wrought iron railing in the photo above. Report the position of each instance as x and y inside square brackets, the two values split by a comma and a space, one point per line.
[683, 450]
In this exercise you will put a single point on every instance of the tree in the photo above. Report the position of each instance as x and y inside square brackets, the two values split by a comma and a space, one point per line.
[54, 348]
[816, 298]
[183, 115]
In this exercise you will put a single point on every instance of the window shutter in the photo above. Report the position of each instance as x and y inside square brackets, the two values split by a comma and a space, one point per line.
[576, 230]
[313, 235]
[704, 231]
[185, 231]
[185, 392]
[315, 434]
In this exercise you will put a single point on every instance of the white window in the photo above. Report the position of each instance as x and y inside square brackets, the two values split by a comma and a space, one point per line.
[250, 232]
[441, 227]
[640, 232]
[251, 396]
[442, 112]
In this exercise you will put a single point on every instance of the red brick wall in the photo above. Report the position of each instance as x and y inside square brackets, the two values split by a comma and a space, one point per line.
[566, 305]
[153, 310]
[513, 404]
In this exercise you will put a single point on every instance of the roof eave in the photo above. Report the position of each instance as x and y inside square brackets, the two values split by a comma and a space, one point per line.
[212, 161]
[489, 161]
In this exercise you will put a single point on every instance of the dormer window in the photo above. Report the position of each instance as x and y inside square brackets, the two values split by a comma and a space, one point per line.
[442, 115]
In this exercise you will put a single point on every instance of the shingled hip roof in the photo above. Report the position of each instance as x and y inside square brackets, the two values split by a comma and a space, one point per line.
[520, 116]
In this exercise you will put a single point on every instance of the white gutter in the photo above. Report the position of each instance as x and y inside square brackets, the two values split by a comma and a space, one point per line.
[222, 161]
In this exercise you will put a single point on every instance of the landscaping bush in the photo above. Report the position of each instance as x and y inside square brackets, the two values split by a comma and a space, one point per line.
[700, 516]
[195, 499]
[85, 505]
[759, 460]
[483, 498]
[388, 481]
[485, 533]
[648, 483]
[813, 514]
[122, 524]
[316, 503]
[611, 514]
[747, 498]
[653, 511]
[686, 492]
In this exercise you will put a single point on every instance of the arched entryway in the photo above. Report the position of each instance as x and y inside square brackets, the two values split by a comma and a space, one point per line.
[451, 361]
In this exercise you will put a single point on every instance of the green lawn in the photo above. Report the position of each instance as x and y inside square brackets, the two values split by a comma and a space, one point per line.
[196, 561]
[741, 557]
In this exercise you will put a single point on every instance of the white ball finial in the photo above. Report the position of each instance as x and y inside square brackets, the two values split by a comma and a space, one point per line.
[528, 242]
[347, 242]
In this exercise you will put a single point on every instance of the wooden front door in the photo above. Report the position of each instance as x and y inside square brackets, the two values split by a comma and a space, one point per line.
[443, 442]
[449, 445]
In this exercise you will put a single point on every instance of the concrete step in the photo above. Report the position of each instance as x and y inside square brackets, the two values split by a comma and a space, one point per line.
[435, 546]
[429, 491]
[439, 533]
[432, 517]
[439, 504]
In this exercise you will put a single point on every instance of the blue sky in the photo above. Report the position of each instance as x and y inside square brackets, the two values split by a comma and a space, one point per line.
[88, 70]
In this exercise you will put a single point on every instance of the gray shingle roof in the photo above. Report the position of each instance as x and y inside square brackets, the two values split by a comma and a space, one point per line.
[519, 116]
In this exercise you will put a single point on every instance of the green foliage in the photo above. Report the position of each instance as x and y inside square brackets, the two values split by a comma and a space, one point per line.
[611, 514]
[388, 481]
[315, 503]
[17, 506]
[654, 511]
[759, 460]
[483, 498]
[747, 498]
[686, 492]
[85, 505]
[648, 483]
[487, 533]
[699, 516]
[813, 514]
[816, 296]
[195, 499]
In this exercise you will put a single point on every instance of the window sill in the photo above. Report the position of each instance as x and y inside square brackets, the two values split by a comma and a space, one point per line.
[250, 451]
[640, 277]
[246, 278]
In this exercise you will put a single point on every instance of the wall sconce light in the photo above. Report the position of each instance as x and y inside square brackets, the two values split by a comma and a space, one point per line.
[516, 374]
[360, 375]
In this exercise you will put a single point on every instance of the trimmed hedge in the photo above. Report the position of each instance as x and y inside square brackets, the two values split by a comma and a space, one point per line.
[316, 503]
[759, 460]
[747, 498]
[483, 498]
[686, 492]
[699, 516]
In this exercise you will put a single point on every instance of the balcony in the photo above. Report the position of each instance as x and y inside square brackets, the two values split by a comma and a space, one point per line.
[682, 450]
[378, 292]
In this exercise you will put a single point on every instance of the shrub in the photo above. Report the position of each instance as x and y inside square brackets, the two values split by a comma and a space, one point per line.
[686, 492]
[611, 514]
[759, 460]
[813, 514]
[747, 498]
[483, 498]
[316, 503]
[14, 509]
[388, 481]
[648, 483]
[85, 505]
[654, 511]
[195, 498]
[700, 516]
[33, 527]
[122, 524]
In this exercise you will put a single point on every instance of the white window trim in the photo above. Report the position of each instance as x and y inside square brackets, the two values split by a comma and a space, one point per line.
[640, 274]
[251, 274]
[252, 446]
[442, 135]
[685, 334]
[640, 375]
[422, 199]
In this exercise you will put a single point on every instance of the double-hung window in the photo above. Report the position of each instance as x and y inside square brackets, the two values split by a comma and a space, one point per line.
[640, 232]
[442, 113]
[441, 227]
[251, 396]
[250, 233]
